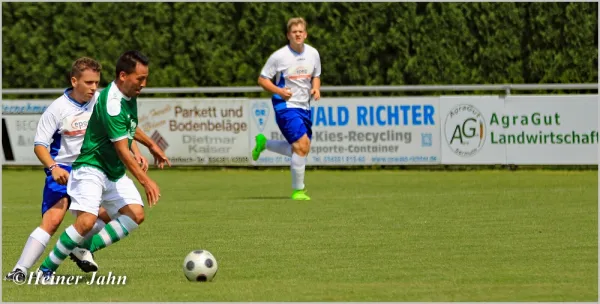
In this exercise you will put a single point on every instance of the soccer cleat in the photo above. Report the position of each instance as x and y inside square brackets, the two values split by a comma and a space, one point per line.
[16, 275]
[46, 276]
[84, 259]
[261, 145]
[300, 195]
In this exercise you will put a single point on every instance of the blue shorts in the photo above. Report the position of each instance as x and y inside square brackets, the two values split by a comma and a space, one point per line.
[294, 123]
[53, 191]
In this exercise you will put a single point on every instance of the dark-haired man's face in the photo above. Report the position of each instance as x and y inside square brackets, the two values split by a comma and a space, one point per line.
[134, 82]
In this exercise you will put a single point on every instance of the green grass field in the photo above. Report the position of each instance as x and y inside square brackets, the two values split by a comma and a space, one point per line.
[365, 236]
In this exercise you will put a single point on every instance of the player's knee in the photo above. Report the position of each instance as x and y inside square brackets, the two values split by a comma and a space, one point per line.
[104, 216]
[305, 148]
[138, 217]
[302, 146]
[302, 151]
[299, 150]
[85, 222]
[135, 212]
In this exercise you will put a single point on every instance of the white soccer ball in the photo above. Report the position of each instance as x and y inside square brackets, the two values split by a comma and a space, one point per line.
[200, 265]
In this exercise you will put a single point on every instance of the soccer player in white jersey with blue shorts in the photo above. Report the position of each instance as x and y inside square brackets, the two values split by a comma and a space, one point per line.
[57, 144]
[297, 70]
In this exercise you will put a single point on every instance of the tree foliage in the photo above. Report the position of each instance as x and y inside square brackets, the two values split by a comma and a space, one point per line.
[226, 44]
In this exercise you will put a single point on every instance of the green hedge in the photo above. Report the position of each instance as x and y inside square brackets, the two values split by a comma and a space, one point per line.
[226, 44]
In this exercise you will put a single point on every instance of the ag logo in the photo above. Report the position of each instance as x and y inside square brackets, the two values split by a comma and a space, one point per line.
[465, 130]
[260, 112]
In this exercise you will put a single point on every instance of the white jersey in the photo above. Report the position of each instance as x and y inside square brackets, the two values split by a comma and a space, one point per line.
[62, 127]
[295, 71]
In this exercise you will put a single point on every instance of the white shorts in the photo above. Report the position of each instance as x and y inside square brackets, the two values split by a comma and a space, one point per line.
[89, 187]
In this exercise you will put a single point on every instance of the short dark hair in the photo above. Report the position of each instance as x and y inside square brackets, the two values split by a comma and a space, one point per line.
[129, 60]
[82, 64]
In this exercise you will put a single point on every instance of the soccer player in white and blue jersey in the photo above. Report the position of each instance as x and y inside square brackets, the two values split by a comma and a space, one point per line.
[297, 70]
[57, 144]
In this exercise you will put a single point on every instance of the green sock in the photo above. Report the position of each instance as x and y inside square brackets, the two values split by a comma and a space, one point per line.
[111, 233]
[66, 243]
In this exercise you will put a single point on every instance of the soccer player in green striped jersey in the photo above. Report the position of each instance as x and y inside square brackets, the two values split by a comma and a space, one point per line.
[98, 175]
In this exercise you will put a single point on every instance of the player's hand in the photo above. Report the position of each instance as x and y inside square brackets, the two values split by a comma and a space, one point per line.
[285, 93]
[159, 157]
[60, 175]
[152, 192]
[316, 94]
[142, 161]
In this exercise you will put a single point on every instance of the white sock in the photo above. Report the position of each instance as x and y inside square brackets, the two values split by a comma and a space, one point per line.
[280, 147]
[298, 166]
[35, 246]
[97, 227]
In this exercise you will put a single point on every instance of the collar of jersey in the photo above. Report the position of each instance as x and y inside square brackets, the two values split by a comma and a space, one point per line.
[294, 52]
[73, 101]
[122, 95]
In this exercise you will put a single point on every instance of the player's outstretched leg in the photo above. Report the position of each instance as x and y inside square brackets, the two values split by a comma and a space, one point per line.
[34, 247]
[298, 166]
[129, 219]
[54, 207]
[281, 147]
[114, 231]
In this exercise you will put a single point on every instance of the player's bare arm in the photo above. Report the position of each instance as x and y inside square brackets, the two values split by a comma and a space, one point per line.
[316, 88]
[152, 191]
[267, 85]
[139, 158]
[59, 174]
[159, 155]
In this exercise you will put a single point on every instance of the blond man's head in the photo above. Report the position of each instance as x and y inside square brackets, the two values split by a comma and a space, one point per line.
[296, 31]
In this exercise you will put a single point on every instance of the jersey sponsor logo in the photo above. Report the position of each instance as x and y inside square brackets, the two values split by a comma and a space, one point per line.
[299, 72]
[76, 125]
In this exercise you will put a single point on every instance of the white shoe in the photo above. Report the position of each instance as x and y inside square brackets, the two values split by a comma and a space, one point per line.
[84, 259]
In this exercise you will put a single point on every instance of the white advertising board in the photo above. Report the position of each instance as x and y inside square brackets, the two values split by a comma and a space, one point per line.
[360, 131]
[518, 129]
[197, 131]
[546, 129]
